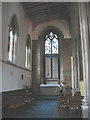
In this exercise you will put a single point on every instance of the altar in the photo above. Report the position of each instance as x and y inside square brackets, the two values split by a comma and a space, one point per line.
[49, 89]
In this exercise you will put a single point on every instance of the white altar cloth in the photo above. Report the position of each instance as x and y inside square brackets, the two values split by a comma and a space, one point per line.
[49, 85]
[49, 89]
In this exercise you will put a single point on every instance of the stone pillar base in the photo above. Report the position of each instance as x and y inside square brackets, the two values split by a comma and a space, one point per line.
[85, 102]
[89, 112]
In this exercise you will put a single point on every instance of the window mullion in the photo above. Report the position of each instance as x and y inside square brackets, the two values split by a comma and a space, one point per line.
[58, 68]
[51, 68]
[51, 46]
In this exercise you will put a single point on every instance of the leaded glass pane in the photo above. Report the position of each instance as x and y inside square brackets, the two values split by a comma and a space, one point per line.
[48, 46]
[54, 46]
[48, 67]
[11, 46]
[55, 67]
[27, 60]
[14, 48]
[28, 57]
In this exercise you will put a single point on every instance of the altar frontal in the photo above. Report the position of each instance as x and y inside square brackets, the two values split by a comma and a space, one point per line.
[50, 89]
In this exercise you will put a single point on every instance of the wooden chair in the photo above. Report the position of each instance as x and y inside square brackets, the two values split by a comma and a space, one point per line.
[68, 96]
[62, 102]
[77, 95]
[74, 106]
[26, 98]
[14, 102]
[60, 95]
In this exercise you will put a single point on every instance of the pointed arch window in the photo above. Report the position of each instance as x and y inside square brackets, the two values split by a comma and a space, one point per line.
[51, 44]
[12, 41]
[28, 50]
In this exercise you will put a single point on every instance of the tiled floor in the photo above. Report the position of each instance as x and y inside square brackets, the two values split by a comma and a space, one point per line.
[46, 107]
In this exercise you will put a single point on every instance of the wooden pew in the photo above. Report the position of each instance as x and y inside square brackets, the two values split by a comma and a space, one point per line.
[15, 99]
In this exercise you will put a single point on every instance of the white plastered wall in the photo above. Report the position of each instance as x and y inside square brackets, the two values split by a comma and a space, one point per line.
[12, 75]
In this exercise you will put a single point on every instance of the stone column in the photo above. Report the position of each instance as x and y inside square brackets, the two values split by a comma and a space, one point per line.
[75, 52]
[89, 82]
[78, 65]
[84, 45]
[41, 59]
[72, 72]
[36, 67]
[88, 6]
[74, 65]
[0, 60]
[61, 61]
[0, 47]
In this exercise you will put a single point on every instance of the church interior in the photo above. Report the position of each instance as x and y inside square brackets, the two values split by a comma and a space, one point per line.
[45, 59]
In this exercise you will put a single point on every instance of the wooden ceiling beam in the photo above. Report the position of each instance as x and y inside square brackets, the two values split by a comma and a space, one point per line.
[39, 17]
[33, 6]
[36, 20]
[57, 8]
[27, 4]
[38, 13]
[59, 12]
[49, 7]
[50, 17]
[60, 17]
[35, 9]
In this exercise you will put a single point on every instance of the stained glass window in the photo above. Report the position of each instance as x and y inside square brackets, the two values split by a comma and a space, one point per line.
[51, 44]
[12, 41]
[27, 57]
[54, 46]
[51, 62]
[48, 46]
[10, 46]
